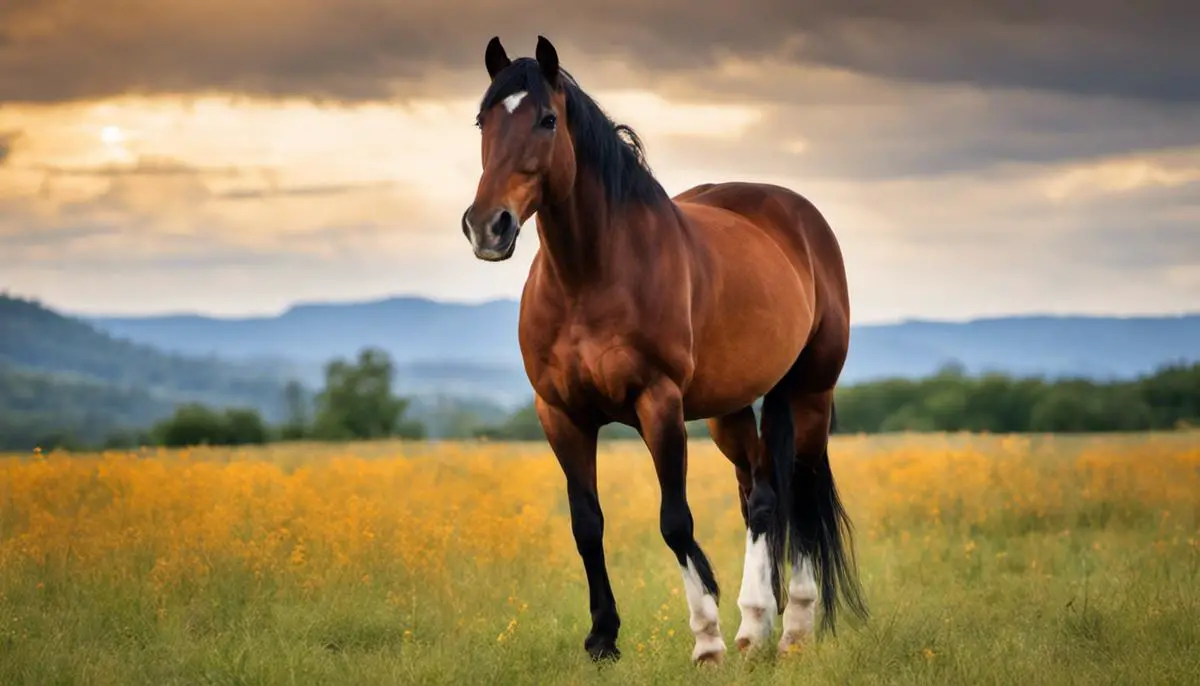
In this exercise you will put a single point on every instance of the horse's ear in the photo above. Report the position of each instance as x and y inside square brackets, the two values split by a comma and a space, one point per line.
[547, 58]
[495, 58]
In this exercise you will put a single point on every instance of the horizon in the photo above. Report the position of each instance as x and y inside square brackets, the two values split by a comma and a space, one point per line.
[969, 158]
[272, 314]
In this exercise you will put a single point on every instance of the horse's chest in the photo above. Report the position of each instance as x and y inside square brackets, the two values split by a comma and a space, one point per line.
[578, 368]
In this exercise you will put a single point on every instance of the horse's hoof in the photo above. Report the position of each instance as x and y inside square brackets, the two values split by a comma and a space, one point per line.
[793, 644]
[715, 658]
[709, 651]
[603, 651]
[751, 639]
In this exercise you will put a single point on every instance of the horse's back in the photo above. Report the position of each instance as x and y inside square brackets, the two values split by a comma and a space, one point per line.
[788, 217]
[730, 216]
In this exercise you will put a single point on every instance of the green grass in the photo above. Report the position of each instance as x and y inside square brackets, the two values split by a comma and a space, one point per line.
[1126, 615]
[1112, 604]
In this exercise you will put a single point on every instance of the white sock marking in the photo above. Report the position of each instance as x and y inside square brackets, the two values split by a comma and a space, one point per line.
[704, 620]
[757, 599]
[511, 102]
[799, 617]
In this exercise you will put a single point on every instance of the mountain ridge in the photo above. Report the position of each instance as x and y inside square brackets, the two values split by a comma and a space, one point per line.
[515, 302]
[418, 330]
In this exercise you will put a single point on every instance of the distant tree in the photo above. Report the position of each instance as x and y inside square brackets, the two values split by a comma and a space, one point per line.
[296, 404]
[192, 424]
[1172, 395]
[244, 426]
[198, 424]
[357, 401]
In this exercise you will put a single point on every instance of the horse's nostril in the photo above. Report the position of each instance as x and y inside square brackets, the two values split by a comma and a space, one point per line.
[503, 223]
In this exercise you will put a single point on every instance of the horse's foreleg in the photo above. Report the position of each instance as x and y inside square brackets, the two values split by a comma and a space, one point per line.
[575, 447]
[660, 415]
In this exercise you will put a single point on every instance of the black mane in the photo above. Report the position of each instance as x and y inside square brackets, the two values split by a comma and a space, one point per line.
[613, 152]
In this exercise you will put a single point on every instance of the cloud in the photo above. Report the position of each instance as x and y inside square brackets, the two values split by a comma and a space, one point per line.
[8, 140]
[321, 190]
[142, 166]
[1114, 178]
[56, 50]
[13, 241]
[927, 133]
[1109, 48]
[863, 90]
[167, 216]
[973, 158]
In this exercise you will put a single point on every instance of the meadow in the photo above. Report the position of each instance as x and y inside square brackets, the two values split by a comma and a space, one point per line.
[985, 560]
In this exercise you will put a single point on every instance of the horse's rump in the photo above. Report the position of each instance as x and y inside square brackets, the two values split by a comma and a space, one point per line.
[764, 256]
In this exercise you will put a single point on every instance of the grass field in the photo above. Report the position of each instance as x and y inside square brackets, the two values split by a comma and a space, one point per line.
[1039, 560]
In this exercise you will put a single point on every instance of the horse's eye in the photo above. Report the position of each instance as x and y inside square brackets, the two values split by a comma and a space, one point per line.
[549, 121]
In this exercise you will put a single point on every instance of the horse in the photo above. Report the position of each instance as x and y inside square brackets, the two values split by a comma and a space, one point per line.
[649, 310]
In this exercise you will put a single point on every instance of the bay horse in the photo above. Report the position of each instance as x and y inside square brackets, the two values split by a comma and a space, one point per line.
[650, 311]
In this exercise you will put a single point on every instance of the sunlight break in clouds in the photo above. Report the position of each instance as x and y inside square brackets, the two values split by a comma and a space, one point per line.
[1166, 169]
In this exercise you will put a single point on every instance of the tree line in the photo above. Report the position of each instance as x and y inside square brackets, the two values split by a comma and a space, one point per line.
[952, 400]
[358, 401]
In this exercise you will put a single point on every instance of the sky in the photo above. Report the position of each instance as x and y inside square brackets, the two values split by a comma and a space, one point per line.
[231, 157]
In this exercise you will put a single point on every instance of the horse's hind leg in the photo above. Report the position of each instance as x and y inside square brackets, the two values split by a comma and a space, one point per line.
[822, 553]
[810, 416]
[737, 437]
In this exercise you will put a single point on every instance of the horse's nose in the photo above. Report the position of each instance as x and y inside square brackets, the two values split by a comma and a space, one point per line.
[466, 223]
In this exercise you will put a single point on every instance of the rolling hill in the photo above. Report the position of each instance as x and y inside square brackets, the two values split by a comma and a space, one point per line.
[60, 375]
[36, 338]
[411, 329]
[64, 378]
[454, 349]
[473, 348]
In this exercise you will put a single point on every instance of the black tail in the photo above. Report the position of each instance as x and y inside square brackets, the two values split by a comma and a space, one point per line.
[822, 531]
[780, 443]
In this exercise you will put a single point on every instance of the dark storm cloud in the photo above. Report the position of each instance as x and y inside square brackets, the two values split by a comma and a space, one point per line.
[56, 50]
[932, 136]
[1125, 56]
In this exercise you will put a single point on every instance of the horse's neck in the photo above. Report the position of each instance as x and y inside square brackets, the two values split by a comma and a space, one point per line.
[589, 242]
[576, 237]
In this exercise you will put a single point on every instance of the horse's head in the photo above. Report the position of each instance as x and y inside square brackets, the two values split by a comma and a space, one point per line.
[527, 151]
